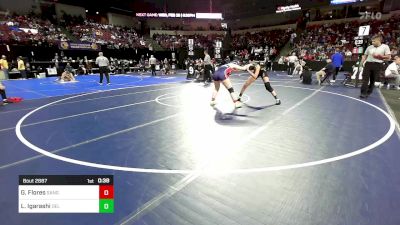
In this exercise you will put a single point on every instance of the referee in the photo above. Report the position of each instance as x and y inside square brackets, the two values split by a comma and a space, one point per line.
[207, 67]
[103, 64]
[152, 62]
[373, 59]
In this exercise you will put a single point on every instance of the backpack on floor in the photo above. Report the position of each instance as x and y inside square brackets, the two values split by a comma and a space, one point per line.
[14, 99]
[307, 77]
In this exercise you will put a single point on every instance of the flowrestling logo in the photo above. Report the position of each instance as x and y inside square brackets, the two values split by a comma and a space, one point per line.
[370, 15]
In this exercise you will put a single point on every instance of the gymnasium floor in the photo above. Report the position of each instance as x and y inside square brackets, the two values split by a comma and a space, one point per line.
[322, 157]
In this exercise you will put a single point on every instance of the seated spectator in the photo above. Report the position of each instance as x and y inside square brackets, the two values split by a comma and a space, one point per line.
[81, 69]
[298, 68]
[199, 70]
[392, 71]
[69, 69]
[325, 72]
[166, 69]
[281, 60]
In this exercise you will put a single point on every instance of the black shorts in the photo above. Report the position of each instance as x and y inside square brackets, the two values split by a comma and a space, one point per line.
[262, 74]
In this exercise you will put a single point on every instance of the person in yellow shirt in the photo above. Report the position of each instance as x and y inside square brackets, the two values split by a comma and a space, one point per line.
[21, 67]
[4, 66]
[3, 94]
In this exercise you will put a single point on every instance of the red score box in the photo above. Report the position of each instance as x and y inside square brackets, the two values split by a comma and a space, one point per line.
[106, 191]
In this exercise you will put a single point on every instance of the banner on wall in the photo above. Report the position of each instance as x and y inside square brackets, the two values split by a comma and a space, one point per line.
[66, 45]
[218, 46]
[191, 47]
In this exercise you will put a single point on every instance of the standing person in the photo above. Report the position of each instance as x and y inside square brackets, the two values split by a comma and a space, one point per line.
[221, 75]
[103, 64]
[57, 63]
[337, 61]
[152, 63]
[21, 67]
[207, 67]
[291, 63]
[186, 64]
[268, 63]
[88, 65]
[292, 39]
[4, 66]
[255, 72]
[3, 94]
[373, 59]
[348, 54]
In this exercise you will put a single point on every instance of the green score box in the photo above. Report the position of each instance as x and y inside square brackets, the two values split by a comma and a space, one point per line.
[106, 206]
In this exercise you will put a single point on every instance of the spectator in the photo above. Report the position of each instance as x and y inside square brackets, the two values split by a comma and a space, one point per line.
[207, 67]
[306, 76]
[3, 94]
[69, 69]
[88, 65]
[392, 71]
[292, 39]
[268, 63]
[325, 72]
[298, 69]
[199, 70]
[281, 60]
[4, 66]
[21, 67]
[291, 63]
[166, 68]
[337, 61]
[348, 54]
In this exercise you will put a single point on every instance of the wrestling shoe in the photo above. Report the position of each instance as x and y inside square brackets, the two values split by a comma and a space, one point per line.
[238, 104]
[213, 103]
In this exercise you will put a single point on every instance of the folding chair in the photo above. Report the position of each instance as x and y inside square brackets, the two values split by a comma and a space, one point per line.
[326, 78]
[347, 79]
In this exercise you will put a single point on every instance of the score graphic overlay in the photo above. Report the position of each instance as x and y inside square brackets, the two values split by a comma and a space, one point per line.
[66, 194]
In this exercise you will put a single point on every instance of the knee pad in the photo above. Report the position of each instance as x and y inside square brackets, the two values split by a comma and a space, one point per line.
[231, 90]
[268, 87]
